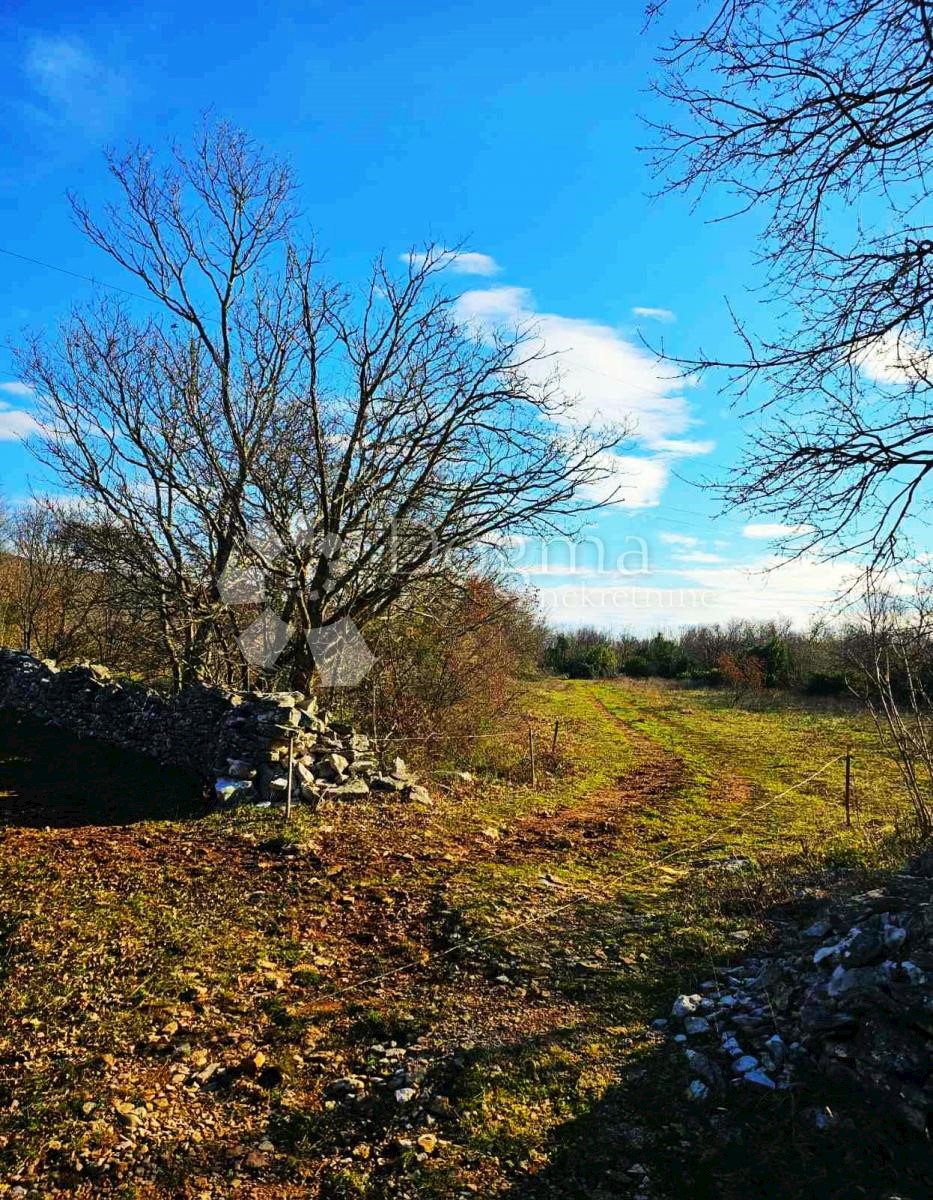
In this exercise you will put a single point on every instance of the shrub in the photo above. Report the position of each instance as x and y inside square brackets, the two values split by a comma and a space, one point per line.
[447, 668]
[823, 683]
[743, 674]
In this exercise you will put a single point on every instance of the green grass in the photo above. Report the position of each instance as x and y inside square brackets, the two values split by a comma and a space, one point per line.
[644, 927]
[772, 750]
[130, 956]
[735, 765]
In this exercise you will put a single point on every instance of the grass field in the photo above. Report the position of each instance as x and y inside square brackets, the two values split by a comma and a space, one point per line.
[198, 1006]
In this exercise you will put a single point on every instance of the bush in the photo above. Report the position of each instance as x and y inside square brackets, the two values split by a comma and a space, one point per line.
[704, 676]
[774, 659]
[824, 683]
[602, 662]
[759, 654]
[742, 673]
[446, 669]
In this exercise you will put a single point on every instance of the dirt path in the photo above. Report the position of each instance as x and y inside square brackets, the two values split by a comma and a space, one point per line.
[636, 735]
[596, 825]
[500, 953]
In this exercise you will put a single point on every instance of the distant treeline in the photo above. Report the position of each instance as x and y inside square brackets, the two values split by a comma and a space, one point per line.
[748, 655]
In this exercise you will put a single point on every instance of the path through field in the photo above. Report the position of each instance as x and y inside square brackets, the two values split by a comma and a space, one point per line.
[403, 1000]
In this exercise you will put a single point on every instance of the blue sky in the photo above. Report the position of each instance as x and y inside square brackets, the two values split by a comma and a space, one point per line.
[515, 127]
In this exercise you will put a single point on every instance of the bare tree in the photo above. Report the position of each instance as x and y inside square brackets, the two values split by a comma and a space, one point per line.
[820, 114]
[892, 660]
[448, 665]
[48, 599]
[7, 616]
[262, 421]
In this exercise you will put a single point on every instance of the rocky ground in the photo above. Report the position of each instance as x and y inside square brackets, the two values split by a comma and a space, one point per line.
[330, 759]
[838, 1012]
[850, 995]
[451, 995]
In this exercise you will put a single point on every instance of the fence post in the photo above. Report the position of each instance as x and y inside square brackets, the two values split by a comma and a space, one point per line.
[531, 754]
[554, 738]
[848, 785]
[291, 767]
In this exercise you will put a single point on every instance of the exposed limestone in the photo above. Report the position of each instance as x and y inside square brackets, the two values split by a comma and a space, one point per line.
[858, 1008]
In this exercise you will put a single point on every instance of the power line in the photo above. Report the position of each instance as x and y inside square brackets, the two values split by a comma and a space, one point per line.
[666, 520]
[114, 287]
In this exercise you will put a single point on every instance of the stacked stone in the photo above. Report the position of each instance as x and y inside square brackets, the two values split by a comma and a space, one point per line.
[850, 995]
[330, 759]
[86, 701]
[239, 740]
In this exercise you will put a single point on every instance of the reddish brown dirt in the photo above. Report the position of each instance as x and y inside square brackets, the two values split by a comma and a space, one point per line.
[599, 823]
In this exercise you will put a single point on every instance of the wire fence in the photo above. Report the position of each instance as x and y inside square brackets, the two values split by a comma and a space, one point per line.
[533, 755]
[578, 901]
[737, 823]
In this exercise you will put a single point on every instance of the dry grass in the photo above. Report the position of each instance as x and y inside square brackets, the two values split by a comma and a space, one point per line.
[513, 940]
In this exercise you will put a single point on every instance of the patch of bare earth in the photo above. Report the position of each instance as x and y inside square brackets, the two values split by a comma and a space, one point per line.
[596, 826]
[219, 1008]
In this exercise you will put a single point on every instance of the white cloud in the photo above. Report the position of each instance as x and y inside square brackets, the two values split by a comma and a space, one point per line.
[897, 357]
[678, 539]
[684, 447]
[773, 586]
[632, 482]
[771, 531]
[485, 308]
[768, 588]
[697, 556]
[612, 379]
[15, 388]
[461, 262]
[16, 423]
[654, 314]
[72, 86]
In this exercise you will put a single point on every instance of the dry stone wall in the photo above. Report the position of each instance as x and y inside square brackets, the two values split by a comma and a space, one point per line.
[239, 741]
